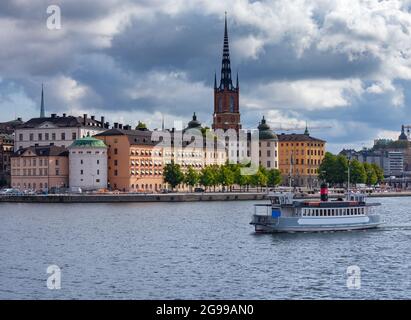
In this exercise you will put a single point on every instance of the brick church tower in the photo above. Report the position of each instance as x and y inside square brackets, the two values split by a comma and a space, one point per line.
[226, 96]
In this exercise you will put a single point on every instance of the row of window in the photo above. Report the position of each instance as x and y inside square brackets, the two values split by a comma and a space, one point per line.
[145, 172]
[42, 172]
[33, 162]
[88, 152]
[47, 136]
[299, 171]
[269, 153]
[333, 212]
[302, 144]
[310, 152]
[314, 162]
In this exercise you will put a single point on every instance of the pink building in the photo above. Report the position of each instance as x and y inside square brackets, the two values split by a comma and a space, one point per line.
[40, 168]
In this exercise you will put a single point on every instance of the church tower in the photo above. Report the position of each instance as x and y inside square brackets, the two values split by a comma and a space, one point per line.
[226, 96]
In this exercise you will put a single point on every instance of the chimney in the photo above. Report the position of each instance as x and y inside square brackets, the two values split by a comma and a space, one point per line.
[53, 115]
[64, 115]
[115, 125]
[19, 119]
[85, 119]
[102, 122]
[120, 126]
[108, 125]
[93, 117]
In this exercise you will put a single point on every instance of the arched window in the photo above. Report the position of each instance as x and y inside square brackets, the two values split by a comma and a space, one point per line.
[231, 104]
[220, 105]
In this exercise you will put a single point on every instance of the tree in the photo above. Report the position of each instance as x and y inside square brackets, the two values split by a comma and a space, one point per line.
[371, 175]
[341, 170]
[240, 179]
[191, 177]
[379, 172]
[207, 177]
[357, 172]
[274, 178]
[226, 176]
[173, 175]
[327, 169]
[259, 179]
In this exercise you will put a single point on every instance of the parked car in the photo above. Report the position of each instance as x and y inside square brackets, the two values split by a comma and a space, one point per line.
[165, 191]
[199, 190]
[11, 192]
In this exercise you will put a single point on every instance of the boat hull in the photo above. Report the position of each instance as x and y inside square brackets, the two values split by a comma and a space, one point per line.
[268, 224]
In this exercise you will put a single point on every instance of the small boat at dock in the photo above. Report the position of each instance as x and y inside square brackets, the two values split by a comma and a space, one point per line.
[286, 214]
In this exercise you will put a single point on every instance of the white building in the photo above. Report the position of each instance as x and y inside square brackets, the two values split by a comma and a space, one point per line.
[88, 164]
[268, 146]
[60, 131]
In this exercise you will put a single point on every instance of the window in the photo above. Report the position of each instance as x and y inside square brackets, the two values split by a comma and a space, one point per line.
[98, 161]
[53, 136]
[21, 137]
[115, 151]
[57, 162]
[31, 136]
[268, 153]
[57, 172]
[115, 172]
[98, 180]
[115, 162]
[98, 172]
[81, 161]
[231, 104]
[73, 136]
[81, 172]
[63, 136]
[220, 105]
[40, 136]
[268, 164]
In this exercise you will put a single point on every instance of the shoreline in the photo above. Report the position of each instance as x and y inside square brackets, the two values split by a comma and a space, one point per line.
[171, 197]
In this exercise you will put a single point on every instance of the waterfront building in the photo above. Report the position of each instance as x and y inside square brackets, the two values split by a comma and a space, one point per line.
[6, 151]
[226, 95]
[55, 130]
[268, 146]
[300, 156]
[88, 164]
[40, 168]
[134, 164]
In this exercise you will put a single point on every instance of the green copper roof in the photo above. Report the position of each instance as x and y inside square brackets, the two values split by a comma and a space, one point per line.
[88, 142]
[265, 132]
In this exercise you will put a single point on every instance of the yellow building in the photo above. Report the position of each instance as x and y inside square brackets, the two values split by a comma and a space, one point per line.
[300, 156]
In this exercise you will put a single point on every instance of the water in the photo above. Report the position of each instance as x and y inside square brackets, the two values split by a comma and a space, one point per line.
[194, 251]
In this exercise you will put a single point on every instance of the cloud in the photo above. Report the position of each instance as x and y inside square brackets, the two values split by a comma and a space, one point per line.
[344, 63]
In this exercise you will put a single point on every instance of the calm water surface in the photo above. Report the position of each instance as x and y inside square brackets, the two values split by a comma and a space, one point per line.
[194, 251]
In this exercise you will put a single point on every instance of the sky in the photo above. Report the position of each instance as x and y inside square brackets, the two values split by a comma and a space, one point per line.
[343, 67]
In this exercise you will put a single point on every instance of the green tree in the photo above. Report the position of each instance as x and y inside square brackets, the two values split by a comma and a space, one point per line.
[240, 179]
[327, 169]
[371, 175]
[357, 172]
[191, 178]
[207, 177]
[341, 170]
[259, 179]
[379, 172]
[173, 174]
[274, 178]
[226, 176]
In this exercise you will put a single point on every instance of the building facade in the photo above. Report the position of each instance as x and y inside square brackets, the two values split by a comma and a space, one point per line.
[134, 164]
[6, 151]
[226, 95]
[40, 168]
[268, 146]
[300, 156]
[55, 130]
[88, 164]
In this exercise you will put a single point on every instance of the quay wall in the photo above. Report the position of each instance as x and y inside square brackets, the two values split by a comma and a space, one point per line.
[172, 197]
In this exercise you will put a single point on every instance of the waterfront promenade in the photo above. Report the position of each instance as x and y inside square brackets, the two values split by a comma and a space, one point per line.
[170, 197]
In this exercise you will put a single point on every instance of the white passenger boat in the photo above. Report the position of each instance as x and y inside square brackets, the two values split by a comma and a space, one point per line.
[286, 214]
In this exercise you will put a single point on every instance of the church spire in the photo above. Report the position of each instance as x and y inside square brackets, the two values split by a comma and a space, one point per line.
[42, 110]
[226, 82]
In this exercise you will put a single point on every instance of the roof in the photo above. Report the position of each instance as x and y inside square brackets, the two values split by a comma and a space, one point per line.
[64, 121]
[135, 137]
[88, 142]
[9, 126]
[44, 151]
[297, 137]
[265, 132]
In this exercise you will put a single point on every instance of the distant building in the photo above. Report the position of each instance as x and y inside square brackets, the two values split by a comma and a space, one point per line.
[268, 146]
[55, 130]
[6, 151]
[40, 168]
[300, 156]
[88, 164]
[395, 164]
[133, 164]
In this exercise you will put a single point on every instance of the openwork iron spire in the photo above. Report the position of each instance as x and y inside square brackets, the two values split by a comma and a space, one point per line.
[226, 82]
